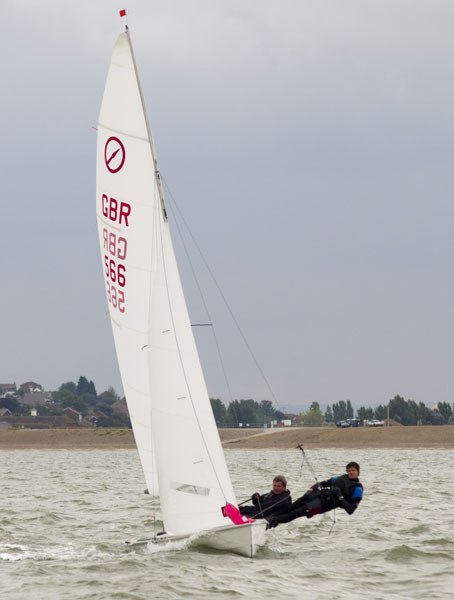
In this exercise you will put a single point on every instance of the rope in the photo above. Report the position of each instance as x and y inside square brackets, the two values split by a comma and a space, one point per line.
[262, 510]
[306, 460]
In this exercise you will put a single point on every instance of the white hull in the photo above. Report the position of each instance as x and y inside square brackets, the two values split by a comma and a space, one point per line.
[240, 539]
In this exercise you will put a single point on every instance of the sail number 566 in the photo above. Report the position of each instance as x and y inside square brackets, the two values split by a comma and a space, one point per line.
[115, 273]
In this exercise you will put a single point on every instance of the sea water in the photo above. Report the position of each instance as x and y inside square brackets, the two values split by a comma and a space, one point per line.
[65, 516]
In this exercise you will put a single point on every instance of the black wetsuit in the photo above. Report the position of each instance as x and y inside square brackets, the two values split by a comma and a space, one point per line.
[266, 504]
[336, 492]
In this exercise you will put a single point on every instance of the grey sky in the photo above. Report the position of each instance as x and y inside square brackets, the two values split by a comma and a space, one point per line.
[308, 144]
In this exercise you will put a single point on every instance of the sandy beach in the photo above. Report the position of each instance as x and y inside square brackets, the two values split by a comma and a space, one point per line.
[252, 439]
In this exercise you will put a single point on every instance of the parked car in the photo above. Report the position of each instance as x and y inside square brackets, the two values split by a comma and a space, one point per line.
[343, 424]
[354, 422]
[374, 423]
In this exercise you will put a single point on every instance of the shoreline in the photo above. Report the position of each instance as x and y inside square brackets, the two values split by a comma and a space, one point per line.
[385, 438]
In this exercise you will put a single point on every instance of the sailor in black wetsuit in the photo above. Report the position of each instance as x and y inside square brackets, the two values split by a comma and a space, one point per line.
[344, 491]
[266, 504]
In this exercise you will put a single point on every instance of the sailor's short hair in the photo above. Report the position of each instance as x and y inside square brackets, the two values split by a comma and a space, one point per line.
[282, 479]
[352, 464]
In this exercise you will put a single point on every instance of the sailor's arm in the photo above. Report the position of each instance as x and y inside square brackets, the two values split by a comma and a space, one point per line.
[351, 505]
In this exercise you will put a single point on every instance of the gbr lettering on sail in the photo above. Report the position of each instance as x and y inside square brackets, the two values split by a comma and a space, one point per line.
[115, 247]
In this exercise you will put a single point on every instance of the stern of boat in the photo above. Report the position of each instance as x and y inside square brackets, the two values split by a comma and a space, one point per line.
[243, 539]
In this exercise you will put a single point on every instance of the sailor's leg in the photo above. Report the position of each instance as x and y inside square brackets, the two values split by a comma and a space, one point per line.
[294, 512]
[249, 511]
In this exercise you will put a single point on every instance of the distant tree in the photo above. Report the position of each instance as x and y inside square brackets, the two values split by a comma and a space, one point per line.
[364, 413]
[267, 409]
[349, 410]
[104, 408]
[73, 401]
[381, 413]
[244, 411]
[11, 404]
[110, 396]
[89, 399]
[329, 415]
[278, 415]
[116, 420]
[85, 387]
[427, 416]
[445, 409]
[408, 412]
[435, 418]
[219, 411]
[66, 388]
[314, 406]
[340, 411]
[420, 414]
[402, 411]
[312, 418]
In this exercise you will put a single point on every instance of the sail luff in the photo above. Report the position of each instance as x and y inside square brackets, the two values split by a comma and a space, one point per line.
[150, 135]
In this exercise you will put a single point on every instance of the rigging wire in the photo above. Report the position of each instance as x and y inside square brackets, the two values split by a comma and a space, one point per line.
[218, 287]
[161, 230]
[218, 348]
[306, 460]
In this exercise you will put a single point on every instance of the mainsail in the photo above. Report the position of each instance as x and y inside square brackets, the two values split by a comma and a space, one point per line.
[162, 378]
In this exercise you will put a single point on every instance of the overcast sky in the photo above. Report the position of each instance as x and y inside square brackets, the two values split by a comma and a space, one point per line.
[310, 147]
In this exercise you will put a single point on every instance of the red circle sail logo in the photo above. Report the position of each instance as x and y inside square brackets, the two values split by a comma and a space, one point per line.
[114, 154]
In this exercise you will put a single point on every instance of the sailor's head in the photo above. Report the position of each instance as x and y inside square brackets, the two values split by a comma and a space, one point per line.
[279, 484]
[352, 470]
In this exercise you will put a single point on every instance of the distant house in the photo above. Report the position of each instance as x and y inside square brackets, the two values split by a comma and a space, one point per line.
[5, 412]
[33, 399]
[7, 388]
[74, 415]
[92, 420]
[31, 387]
[4, 425]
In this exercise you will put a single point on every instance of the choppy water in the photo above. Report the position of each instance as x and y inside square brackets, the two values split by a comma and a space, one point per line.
[65, 515]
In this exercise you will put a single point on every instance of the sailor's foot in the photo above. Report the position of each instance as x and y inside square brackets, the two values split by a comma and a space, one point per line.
[272, 522]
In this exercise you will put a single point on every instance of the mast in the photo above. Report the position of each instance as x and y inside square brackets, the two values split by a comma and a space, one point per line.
[150, 136]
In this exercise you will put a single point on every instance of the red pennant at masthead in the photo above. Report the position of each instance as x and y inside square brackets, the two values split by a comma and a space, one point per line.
[123, 13]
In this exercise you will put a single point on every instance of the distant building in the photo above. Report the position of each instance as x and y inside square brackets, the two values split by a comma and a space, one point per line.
[74, 415]
[5, 412]
[7, 388]
[4, 425]
[30, 387]
[33, 399]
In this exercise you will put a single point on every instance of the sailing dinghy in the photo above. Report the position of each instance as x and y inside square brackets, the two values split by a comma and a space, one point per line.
[172, 420]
